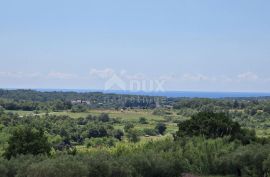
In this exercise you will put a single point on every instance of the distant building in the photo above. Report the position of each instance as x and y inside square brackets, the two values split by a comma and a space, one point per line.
[80, 102]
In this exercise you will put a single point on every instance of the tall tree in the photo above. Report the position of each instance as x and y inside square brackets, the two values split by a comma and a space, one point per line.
[26, 140]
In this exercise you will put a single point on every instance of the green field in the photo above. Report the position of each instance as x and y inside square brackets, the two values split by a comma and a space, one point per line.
[127, 115]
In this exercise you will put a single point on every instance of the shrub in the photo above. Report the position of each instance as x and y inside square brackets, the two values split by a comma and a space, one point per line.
[250, 160]
[25, 140]
[63, 166]
[133, 136]
[161, 128]
[128, 126]
[150, 132]
[214, 125]
[97, 142]
[143, 120]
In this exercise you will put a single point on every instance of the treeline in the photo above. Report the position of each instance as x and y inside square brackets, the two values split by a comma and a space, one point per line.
[36, 100]
[30, 100]
[56, 105]
[251, 105]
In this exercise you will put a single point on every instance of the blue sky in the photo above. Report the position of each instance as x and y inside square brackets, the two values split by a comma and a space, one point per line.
[201, 45]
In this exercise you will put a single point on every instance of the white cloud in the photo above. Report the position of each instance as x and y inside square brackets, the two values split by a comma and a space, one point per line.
[136, 76]
[108, 73]
[103, 73]
[248, 76]
[188, 81]
[242, 77]
[169, 77]
[197, 77]
[60, 75]
[19, 74]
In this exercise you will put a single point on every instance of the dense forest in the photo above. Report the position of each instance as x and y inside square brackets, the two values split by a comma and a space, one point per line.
[68, 134]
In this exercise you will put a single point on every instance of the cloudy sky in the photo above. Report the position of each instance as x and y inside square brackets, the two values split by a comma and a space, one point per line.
[196, 45]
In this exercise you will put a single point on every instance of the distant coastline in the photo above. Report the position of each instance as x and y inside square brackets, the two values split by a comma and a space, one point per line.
[169, 94]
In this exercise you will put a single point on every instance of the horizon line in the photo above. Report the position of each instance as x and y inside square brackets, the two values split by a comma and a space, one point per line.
[132, 91]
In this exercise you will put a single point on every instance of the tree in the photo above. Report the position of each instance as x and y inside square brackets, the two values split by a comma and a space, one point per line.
[161, 128]
[26, 140]
[78, 108]
[128, 126]
[97, 131]
[1, 110]
[150, 131]
[143, 120]
[133, 136]
[118, 134]
[214, 125]
[235, 104]
[104, 117]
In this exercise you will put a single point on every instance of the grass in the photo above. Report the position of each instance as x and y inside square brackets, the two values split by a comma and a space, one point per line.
[125, 116]
[133, 115]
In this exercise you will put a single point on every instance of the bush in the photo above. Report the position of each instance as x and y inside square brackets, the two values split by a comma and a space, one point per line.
[143, 120]
[128, 126]
[104, 117]
[98, 142]
[65, 166]
[150, 132]
[118, 134]
[214, 125]
[133, 136]
[250, 160]
[97, 132]
[25, 140]
[161, 128]
[151, 164]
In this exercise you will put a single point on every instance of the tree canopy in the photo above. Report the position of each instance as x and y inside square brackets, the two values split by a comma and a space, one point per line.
[26, 140]
[212, 125]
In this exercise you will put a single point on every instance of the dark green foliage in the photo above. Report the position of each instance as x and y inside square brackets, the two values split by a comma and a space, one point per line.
[97, 132]
[161, 128]
[101, 142]
[128, 126]
[251, 160]
[32, 100]
[214, 125]
[79, 108]
[143, 120]
[65, 166]
[150, 132]
[148, 161]
[151, 164]
[104, 117]
[63, 132]
[163, 158]
[140, 103]
[26, 140]
[118, 134]
[133, 135]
